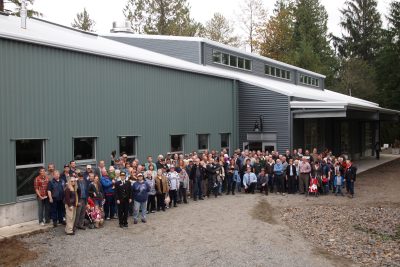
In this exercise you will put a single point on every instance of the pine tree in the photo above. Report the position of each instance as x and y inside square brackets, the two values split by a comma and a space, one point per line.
[253, 15]
[362, 24]
[83, 21]
[275, 36]
[164, 17]
[219, 29]
[311, 39]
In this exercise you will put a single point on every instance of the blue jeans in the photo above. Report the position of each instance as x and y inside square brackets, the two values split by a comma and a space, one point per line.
[109, 206]
[137, 206]
[197, 192]
[238, 180]
[43, 210]
[338, 189]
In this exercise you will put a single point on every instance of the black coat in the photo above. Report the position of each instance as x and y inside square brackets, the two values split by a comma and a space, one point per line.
[192, 174]
[350, 173]
[123, 192]
[293, 170]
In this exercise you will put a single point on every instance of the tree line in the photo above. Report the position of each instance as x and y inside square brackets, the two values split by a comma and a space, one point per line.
[363, 61]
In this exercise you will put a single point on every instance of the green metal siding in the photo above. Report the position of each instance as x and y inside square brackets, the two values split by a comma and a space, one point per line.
[59, 94]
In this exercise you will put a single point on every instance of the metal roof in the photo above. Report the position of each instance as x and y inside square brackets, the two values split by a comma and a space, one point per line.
[53, 35]
[213, 43]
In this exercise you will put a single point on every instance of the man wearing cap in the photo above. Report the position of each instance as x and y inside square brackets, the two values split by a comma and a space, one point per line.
[82, 201]
[123, 191]
[66, 174]
[87, 172]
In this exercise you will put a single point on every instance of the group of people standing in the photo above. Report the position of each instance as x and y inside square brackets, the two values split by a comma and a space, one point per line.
[78, 198]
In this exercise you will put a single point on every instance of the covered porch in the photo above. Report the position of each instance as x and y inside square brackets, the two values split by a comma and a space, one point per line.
[344, 129]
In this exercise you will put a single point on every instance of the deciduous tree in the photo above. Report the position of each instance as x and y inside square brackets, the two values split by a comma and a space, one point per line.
[219, 29]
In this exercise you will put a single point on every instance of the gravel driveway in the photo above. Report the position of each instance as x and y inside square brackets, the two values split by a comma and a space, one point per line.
[228, 231]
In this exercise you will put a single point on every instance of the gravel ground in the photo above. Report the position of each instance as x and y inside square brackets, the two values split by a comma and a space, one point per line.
[228, 231]
[247, 230]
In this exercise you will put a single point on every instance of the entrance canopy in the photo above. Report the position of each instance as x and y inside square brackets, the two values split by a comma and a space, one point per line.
[334, 109]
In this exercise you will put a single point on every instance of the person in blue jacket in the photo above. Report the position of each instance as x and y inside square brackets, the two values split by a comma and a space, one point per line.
[140, 191]
[108, 188]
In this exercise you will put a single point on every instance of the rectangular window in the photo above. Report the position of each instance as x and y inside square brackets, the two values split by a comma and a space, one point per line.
[177, 144]
[301, 78]
[266, 70]
[202, 141]
[225, 59]
[233, 61]
[247, 64]
[309, 80]
[241, 63]
[217, 56]
[225, 141]
[273, 71]
[317, 82]
[127, 145]
[288, 75]
[278, 72]
[85, 149]
[29, 159]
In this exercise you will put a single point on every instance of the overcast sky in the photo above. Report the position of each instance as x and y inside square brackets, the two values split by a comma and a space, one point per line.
[105, 12]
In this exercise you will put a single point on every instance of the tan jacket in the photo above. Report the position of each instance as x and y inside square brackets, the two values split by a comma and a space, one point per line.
[164, 182]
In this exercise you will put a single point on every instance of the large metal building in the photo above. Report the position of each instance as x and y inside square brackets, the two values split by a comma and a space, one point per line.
[70, 95]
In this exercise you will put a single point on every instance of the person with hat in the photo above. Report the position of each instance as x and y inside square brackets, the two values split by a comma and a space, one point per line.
[66, 174]
[123, 193]
[141, 191]
[82, 185]
[87, 172]
[71, 202]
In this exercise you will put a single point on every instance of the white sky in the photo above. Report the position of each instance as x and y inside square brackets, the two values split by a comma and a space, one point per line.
[105, 12]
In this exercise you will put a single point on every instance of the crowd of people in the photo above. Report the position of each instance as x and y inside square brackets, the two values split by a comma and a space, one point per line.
[86, 198]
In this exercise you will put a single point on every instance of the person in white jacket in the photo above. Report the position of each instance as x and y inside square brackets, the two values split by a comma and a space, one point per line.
[173, 180]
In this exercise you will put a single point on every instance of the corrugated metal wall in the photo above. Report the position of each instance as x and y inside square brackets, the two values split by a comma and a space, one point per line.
[255, 101]
[186, 50]
[59, 94]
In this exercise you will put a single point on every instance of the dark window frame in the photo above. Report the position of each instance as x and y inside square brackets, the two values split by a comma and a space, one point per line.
[21, 167]
[94, 152]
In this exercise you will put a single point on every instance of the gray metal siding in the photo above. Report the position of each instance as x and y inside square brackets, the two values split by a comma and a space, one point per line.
[257, 66]
[185, 50]
[255, 101]
[59, 94]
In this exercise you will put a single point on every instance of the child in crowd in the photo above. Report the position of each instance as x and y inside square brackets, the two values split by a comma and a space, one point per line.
[338, 183]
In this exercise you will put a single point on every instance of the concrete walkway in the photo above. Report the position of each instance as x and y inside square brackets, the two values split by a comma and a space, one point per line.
[32, 227]
[371, 162]
[23, 229]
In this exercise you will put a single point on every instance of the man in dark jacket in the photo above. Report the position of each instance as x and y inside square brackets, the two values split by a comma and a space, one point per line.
[123, 191]
[291, 177]
[56, 197]
[196, 175]
[212, 169]
[350, 176]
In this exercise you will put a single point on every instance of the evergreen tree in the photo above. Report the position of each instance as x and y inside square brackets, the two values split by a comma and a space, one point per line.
[252, 16]
[311, 39]
[219, 29]
[275, 36]
[83, 21]
[388, 61]
[362, 24]
[17, 7]
[164, 17]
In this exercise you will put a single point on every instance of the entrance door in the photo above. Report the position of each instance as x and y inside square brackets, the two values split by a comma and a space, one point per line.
[262, 146]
